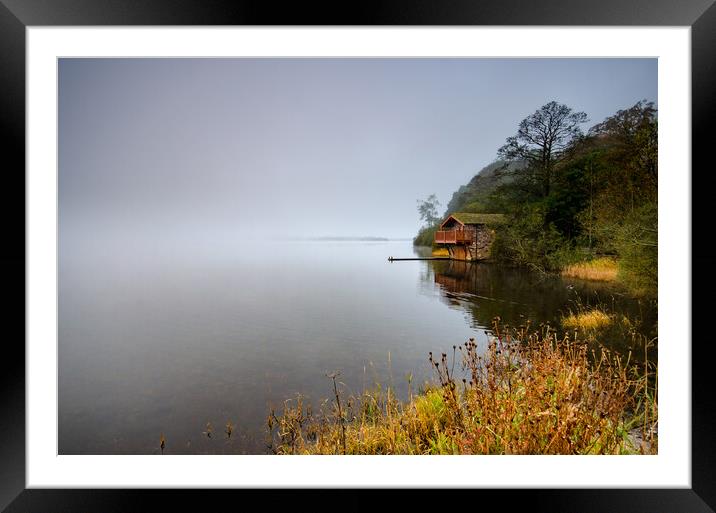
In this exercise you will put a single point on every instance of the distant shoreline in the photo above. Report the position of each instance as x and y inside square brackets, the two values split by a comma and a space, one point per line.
[346, 239]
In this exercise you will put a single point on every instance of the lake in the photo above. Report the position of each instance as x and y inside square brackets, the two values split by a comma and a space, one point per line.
[167, 341]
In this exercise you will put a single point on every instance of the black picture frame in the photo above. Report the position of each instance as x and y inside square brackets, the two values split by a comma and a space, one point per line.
[16, 15]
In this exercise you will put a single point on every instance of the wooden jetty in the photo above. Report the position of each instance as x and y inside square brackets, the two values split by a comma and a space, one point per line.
[392, 259]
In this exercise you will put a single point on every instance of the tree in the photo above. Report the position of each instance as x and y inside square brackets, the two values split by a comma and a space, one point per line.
[625, 210]
[632, 136]
[428, 210]
[542, 141]
[626, 123]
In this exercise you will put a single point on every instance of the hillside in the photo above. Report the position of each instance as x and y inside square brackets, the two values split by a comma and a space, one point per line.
[473, 196]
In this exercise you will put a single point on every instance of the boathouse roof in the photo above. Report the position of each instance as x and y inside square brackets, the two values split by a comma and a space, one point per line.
[471, 218]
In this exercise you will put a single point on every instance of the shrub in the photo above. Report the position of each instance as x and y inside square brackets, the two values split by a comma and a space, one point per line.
[525, 240]
[425, 237]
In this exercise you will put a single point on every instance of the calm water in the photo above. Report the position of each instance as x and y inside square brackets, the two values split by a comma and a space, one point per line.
[165, 344]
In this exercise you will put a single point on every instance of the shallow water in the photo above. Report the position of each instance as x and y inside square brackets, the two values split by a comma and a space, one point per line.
[164, 344]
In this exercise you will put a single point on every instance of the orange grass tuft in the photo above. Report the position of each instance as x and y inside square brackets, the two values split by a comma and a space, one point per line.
[587, 320]
[600, 269]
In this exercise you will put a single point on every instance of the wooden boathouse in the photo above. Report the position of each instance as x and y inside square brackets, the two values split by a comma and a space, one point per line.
[468, 236]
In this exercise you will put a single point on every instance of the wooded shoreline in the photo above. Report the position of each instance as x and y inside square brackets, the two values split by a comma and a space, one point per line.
[582, 204]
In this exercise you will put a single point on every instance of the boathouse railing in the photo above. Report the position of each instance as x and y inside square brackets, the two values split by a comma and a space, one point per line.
[454, 236]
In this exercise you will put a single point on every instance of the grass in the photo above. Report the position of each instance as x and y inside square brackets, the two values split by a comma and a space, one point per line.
[440, 252]
[528, 392]
[587, 320]
[599, 269]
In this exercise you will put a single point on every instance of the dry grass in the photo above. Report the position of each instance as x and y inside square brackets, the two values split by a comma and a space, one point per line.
[587, 320]
[600, 269]
[441, 252]
[527, 393]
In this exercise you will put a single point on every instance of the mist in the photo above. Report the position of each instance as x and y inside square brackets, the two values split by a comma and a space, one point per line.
[174, 154]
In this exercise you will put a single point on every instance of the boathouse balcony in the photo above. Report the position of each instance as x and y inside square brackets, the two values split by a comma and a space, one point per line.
[455, 236]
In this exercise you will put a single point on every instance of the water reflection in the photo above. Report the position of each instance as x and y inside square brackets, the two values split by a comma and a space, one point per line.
[485, 291]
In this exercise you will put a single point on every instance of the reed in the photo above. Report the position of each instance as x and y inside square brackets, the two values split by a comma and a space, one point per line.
[528, 392]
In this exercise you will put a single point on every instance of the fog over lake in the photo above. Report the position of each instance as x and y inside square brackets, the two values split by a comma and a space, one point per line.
[191, 192]
[165, 344]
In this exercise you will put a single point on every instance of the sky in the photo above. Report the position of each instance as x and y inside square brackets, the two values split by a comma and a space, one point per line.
[208, 149]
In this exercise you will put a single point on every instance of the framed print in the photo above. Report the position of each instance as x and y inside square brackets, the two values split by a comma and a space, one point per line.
[229, 283]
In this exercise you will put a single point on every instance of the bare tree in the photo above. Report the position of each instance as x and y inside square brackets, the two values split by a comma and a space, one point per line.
[542, 141]
[428, 210]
